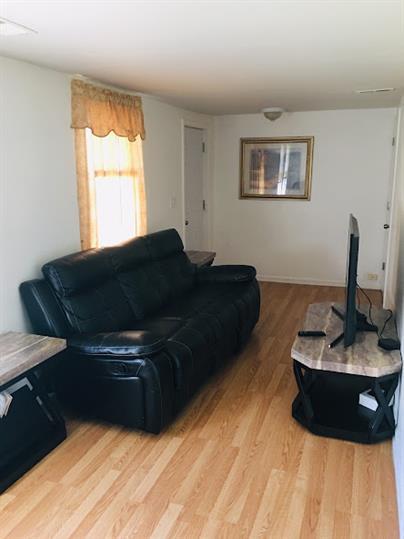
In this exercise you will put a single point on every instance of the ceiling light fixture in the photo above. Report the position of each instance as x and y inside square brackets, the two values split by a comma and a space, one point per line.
[272, 113]
[374, 90]
[10, 28]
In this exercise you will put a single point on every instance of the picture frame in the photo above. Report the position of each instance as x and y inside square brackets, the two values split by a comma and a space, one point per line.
[276, 168]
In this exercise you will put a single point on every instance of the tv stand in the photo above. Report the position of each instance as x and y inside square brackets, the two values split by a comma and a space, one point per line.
[362, 324]
[330, 380]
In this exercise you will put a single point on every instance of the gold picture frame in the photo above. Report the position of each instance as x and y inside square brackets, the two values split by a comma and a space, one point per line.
[276, 168]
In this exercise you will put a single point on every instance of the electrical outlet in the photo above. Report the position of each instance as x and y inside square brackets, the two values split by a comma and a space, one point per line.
[372, 277]
[173, 202]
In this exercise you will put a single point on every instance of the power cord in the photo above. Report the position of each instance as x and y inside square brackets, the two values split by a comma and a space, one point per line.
[358, 297]
[379, 334]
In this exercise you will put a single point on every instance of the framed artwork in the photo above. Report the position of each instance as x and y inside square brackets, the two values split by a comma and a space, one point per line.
[278, 168]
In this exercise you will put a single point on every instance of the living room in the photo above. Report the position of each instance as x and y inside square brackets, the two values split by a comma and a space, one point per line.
[231, 460]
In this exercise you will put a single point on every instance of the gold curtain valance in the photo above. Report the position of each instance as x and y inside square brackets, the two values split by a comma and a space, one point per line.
[103, 111]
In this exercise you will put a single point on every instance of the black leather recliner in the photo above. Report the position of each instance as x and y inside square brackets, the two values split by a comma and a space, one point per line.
[145, 327]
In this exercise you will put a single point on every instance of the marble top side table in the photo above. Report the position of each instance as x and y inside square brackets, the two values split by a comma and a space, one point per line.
[20, 352]
[330, 379]
[201, 258]
[32, 426]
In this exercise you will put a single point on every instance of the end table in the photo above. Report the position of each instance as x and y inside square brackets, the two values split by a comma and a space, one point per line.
[33, 425]
[201, 258]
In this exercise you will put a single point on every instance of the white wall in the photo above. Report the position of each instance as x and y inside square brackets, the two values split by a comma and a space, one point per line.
[38, 216]
[398, 443]
[38, 203]
[163, 162]
[306, 241]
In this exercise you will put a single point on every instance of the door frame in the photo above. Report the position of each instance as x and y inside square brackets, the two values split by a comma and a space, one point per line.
[390, 275]
[207, 163]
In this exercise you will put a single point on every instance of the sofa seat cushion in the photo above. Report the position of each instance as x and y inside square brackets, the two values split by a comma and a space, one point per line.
[158, 325]
[212, 298]
[226, 274]
[189, 344]
[192, 303]
[192, 356]
[212, 328]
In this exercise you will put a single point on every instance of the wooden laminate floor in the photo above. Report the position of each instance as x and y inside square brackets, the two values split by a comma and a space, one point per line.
[235, 464]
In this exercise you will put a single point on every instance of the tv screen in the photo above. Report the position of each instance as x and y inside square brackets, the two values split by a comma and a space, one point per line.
[350, 318]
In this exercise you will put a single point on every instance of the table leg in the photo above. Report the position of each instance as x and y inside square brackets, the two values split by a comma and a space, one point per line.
[383, 398]
[304, 382]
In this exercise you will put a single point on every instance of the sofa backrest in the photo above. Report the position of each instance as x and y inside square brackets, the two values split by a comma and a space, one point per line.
[45, 311]
[107, 289]
[88, 291]
[152, 270]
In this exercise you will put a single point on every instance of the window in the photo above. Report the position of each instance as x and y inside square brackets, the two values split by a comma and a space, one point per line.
[115, 171]
[108, 133]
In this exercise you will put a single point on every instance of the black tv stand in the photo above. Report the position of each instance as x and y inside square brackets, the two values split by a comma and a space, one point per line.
[330, 381]
[362, 324]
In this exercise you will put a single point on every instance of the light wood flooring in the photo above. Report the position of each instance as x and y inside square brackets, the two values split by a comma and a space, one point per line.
[235, 464]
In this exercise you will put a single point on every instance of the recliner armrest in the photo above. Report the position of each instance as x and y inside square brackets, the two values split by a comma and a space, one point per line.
[120, 343]
[127, 357]
[226, 274]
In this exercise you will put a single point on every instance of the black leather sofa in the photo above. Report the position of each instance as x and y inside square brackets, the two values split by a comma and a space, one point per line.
[145, 327]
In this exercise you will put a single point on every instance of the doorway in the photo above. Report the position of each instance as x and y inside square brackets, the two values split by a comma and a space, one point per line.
[391, 226]
[194, 200]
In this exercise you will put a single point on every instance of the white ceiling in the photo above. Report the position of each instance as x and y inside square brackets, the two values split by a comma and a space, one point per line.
[222, 56]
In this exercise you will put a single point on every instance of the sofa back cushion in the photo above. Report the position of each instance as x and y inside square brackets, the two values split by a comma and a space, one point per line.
[89, 292]
[152, 270]
[137, 277]
[175, 269]
[107, 289]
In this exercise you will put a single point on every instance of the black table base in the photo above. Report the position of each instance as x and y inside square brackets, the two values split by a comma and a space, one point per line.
[327, 404]
[30, 430]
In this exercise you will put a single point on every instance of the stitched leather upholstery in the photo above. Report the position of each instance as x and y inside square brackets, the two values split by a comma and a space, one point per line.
[88, 292]
[151, 270]
[145, 327]
[122, 343]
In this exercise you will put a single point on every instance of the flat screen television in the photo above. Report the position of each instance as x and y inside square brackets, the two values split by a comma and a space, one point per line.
[353, 320]
[350, 315]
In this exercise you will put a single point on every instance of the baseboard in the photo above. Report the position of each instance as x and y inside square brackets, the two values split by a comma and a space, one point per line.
[399, 486]
[306, 280]
[297, 280]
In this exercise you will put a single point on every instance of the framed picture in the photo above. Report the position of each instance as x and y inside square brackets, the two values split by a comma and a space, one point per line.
[278, 168]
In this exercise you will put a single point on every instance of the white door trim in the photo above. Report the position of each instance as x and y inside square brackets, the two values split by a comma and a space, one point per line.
[392, 243]
[206, 128]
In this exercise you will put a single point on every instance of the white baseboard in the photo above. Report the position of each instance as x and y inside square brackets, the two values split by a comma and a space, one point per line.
[306, 280]
[297, 280]
[397, 460]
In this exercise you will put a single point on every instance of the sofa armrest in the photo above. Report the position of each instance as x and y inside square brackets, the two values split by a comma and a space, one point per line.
[118, 343]
[106, 361]
[226, 274]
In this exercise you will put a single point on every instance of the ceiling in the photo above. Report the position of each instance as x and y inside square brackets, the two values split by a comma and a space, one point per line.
[218, 56]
